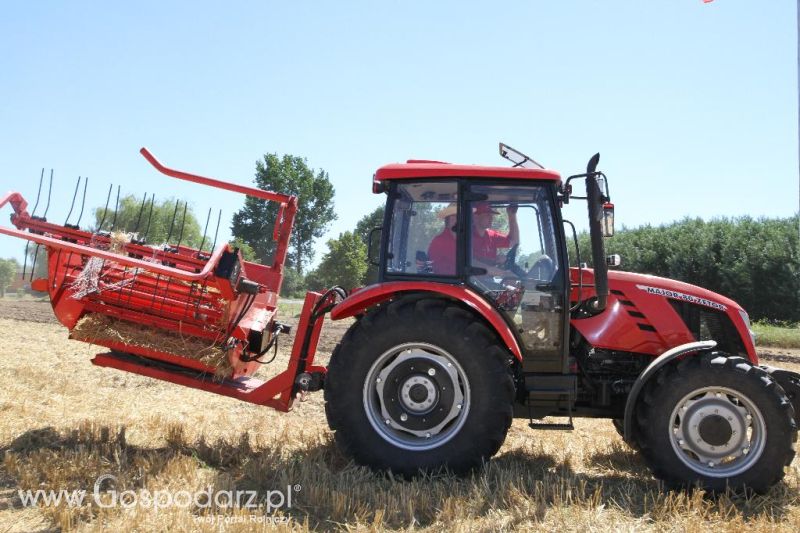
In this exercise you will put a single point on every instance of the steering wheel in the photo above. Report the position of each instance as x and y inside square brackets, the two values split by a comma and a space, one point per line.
[510, 263]
[511, 258]
[543, 269]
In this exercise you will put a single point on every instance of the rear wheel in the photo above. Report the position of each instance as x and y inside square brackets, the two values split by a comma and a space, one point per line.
[716, 421]
[419, 384]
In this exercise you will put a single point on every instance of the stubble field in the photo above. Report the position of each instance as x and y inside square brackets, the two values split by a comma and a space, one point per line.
[64, 423]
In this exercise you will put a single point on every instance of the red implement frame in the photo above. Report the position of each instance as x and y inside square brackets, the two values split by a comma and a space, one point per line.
[178, 289]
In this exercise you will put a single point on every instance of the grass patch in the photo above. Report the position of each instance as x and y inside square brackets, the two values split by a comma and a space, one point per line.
[289, 310]
[779, 336]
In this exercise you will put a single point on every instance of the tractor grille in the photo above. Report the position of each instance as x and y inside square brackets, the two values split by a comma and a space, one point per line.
[710, 325]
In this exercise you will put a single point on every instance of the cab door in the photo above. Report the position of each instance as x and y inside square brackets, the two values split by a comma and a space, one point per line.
[516, 258]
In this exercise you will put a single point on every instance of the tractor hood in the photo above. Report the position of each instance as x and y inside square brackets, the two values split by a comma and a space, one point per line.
[671, 288]
[650, 314]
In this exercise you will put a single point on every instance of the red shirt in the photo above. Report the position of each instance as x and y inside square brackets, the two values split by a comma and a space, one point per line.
[484, 247]
[442, 253]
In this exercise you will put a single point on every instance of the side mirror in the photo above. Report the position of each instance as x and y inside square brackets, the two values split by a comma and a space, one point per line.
[608, 219]
[613, 260]
[371, 259]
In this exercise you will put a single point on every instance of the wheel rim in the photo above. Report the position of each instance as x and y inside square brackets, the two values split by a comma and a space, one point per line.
[717, 431]
[416, 396]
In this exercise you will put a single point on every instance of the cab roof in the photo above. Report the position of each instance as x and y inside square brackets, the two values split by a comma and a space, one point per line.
[415, 168]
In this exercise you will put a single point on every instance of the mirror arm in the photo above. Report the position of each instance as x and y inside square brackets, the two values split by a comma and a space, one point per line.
[580, 266]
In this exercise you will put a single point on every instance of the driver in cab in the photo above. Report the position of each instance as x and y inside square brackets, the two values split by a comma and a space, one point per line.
[486, 241]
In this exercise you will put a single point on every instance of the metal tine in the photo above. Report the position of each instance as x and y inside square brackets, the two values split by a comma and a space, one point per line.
[216, 232]
[105, 209]
[100, 226]
[25, 259]
[49, 192]
[44, 216]
[80, 215]
[183, 225]
[205, 229]
[139, 216]
[172, 223]
[38, 193]
[71, 207]
[33, 264]
[205, 281]
[74, 196]
[113, 228]
[177, 250]
[33, 213]
[169, 235]
[143, 240]
[83, 201]
[199, 253]
[116, 210]
[149, 216]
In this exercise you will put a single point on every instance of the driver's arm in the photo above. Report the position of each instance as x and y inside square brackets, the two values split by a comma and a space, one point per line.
[513, 226]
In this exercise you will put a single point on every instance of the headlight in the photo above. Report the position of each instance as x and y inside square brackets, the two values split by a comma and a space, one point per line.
[746, 318]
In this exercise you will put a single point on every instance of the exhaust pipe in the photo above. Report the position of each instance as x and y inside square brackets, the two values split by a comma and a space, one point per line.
[594, 197]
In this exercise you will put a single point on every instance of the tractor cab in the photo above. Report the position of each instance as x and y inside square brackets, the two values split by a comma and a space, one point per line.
[495, 230]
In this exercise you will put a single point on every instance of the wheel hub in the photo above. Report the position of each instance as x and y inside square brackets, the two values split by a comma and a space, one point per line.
[716, 431]
[416, 396]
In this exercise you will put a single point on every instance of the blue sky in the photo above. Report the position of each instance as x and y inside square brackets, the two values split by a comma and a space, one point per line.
[693, 106]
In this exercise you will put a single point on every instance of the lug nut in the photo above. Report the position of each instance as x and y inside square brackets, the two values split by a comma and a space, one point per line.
[378, 380]
[427, 435]
[388, 422]
[431, 371]
[403, 417]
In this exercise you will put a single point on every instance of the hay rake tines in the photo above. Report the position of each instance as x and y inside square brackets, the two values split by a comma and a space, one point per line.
[183, 309]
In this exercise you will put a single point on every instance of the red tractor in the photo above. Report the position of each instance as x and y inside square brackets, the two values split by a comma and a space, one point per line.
[477, 318]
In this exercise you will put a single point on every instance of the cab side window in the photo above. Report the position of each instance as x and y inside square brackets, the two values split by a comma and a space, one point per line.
[422, 239]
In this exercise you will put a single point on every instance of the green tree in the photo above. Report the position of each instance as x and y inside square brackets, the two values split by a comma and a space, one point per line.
[245, 249]
[8, 269]
[363, 229]
[294, 284]
[344, 264]
[314, 191]
[134, 216]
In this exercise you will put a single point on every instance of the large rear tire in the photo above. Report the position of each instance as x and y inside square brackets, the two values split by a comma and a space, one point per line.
[716, 421]
[417, 385]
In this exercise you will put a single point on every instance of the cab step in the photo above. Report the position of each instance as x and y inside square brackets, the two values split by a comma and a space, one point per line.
[549, 394]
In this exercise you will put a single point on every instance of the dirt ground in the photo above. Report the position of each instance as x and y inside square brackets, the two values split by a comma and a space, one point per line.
[64, 423]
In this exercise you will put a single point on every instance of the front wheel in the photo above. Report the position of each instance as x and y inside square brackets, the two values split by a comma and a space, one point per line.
[417, 385]
[717, 422]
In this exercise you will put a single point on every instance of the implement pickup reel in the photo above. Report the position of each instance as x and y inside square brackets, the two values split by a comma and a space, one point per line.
[171, 312]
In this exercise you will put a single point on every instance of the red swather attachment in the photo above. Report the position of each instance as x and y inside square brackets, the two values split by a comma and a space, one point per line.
[173, 312]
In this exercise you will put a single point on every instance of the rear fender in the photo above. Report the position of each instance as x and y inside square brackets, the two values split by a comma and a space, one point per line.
[657, 364]
[367, 297]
